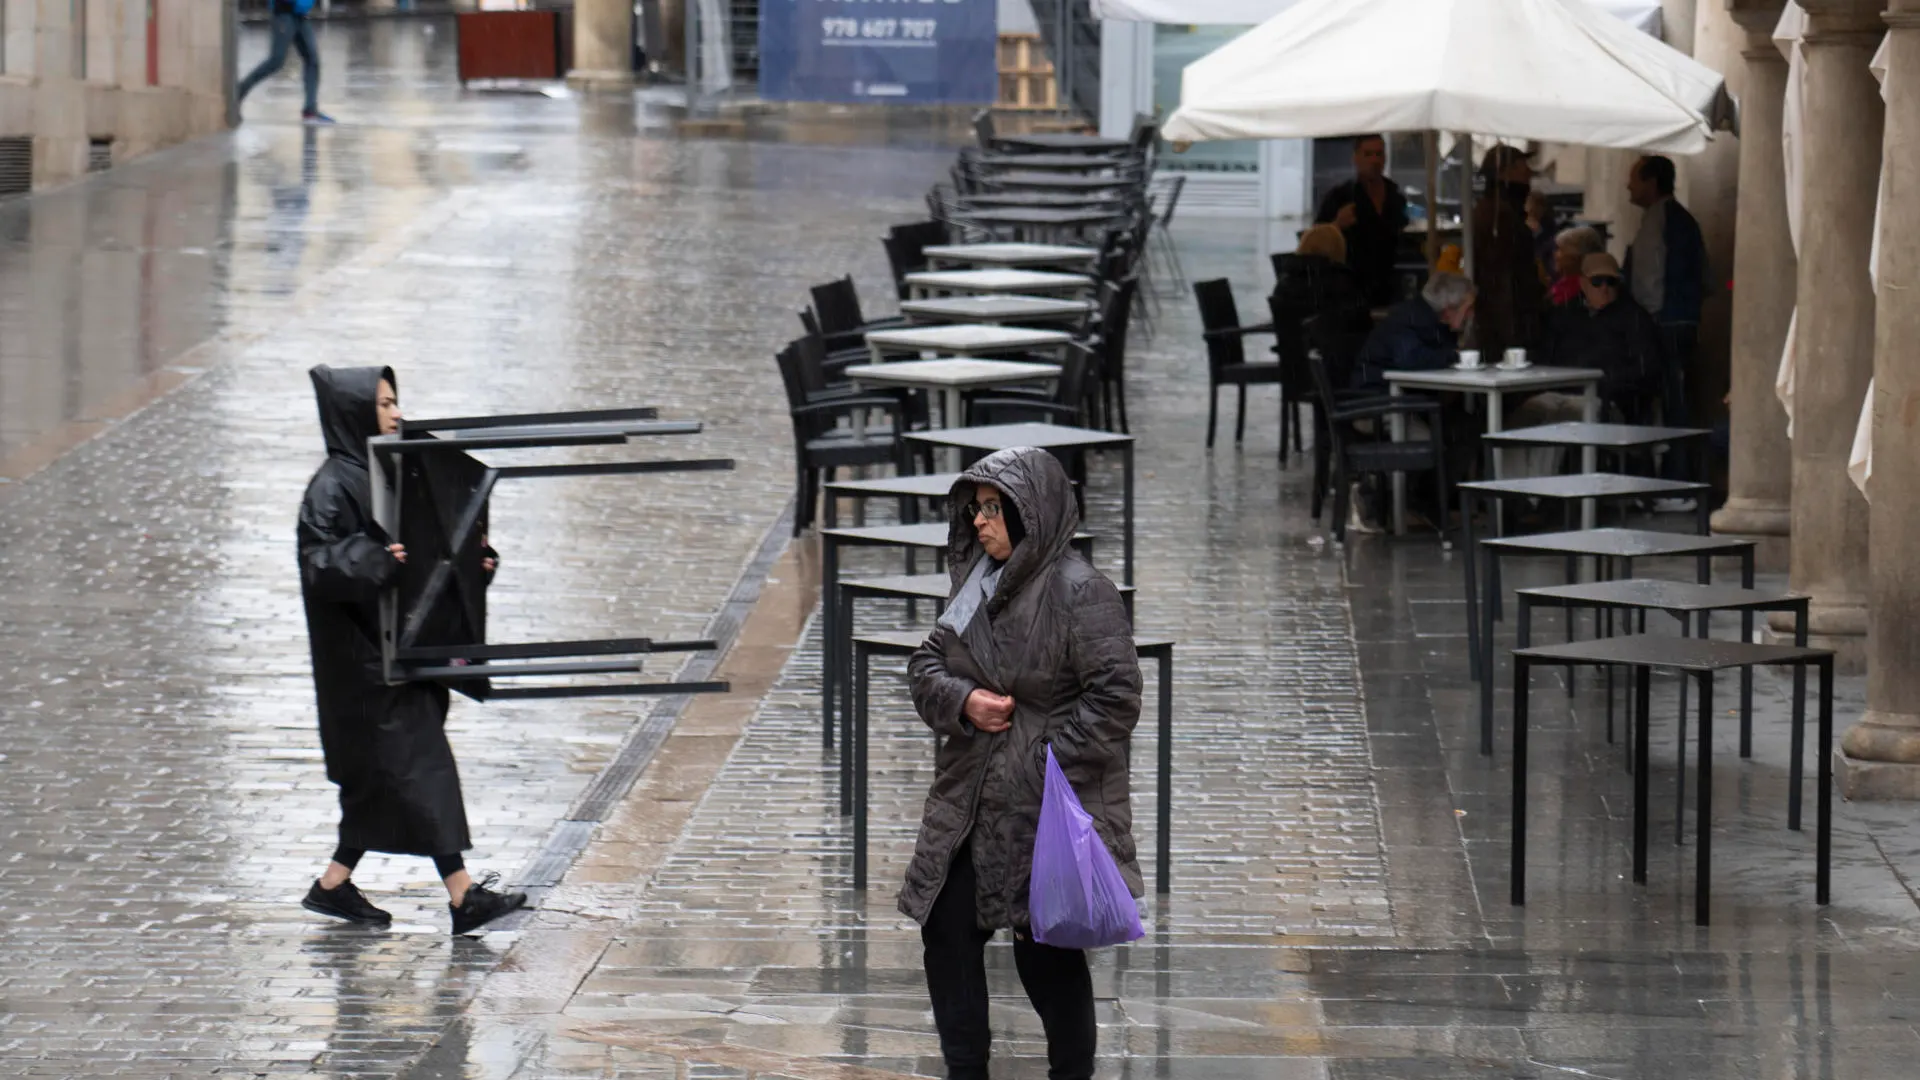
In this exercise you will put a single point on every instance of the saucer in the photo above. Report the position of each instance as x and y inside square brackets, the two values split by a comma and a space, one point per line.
[1469, 367]
[1504, 366]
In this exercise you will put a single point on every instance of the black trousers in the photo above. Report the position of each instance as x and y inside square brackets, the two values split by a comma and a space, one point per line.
[1056, 980]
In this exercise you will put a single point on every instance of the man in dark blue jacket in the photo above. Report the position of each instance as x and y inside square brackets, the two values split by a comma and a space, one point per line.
[291, 29]
[1418, 334]
[1666, 274]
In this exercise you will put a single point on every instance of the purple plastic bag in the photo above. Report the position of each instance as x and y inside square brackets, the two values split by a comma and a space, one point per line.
[1077, 899]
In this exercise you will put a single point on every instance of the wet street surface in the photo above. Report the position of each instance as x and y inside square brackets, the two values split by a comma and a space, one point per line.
[1339, 903]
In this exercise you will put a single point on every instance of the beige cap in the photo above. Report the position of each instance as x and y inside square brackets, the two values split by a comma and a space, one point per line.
[1599, 264]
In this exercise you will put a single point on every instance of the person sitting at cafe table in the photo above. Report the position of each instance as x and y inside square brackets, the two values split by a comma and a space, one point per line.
[1570, 249]
[1608, 330]
[1603, 329]
[1421, 334]
[1315, 278]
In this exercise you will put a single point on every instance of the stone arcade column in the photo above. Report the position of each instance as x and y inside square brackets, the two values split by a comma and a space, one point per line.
[602, 45]
[1880, 758]
[1835, 330]
[1760, 468]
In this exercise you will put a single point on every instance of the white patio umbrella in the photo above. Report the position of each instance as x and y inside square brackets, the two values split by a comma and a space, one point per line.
[1553, 70]
[1642, 15]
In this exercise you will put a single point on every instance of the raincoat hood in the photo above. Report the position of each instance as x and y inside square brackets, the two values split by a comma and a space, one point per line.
[349, 413]
[1040, 491]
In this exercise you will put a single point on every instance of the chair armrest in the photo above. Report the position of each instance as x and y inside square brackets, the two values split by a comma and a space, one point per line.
[1236, 331]
[1382, 407]
[848, 404]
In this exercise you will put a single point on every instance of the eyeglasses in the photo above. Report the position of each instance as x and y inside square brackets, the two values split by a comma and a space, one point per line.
[1604, 281]
[990, 510]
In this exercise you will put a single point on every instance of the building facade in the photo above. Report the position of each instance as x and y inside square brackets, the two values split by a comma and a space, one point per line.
[86, 83]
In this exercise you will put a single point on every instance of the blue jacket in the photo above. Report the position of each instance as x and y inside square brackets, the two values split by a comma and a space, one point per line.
[292, 7]
[1686, 281]
[1410, 338]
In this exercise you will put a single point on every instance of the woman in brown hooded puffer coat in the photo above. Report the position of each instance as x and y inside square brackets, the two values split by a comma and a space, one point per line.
[1035, 649]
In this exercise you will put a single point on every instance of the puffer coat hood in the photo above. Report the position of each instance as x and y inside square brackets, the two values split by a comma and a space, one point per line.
[349, 407]
[1054, 636]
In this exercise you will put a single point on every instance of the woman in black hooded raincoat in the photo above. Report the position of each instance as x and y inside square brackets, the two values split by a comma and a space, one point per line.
[1034, 650]
[386, 746]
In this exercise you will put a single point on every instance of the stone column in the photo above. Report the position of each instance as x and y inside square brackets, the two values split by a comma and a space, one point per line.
[1880, 757]
[1710, 186]
[1834, 335]
[1760, 468]
[602, 45]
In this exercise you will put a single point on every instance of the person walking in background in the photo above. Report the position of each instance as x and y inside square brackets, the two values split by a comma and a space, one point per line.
[385, 745]
[1667, 273]
[291, 29]
[1372, 213]
[1034, 650]
[1506, 272]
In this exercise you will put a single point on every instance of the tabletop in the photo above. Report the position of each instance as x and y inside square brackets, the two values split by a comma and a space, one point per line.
[1013, 254]
[926, 485]
[1586, 486]
[1056, 180]
[1038, 199]
[997, 280]
[1041, 215]
[1063, 162]
[954, 374]
[1064, 141]
[966, 336]
[1673, 653]
[1666, 595]
[930, 535]
[1493, 378]
[1581, 433]
[996, 306]
[1620, 543]
[1002, 436]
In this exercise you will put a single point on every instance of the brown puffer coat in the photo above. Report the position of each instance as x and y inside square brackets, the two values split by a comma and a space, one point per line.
[1054, 637]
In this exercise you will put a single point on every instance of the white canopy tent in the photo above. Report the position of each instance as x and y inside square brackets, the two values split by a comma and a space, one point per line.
[1643, 15]
[1551, 70]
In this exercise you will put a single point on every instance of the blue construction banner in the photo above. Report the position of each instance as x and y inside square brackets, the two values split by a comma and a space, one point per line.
[919, 52]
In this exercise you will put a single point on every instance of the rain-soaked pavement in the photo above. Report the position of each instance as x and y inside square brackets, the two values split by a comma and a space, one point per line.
[1339, 899]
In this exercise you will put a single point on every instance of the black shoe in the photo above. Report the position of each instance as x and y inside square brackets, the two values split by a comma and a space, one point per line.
[482, 905]
[344, 901]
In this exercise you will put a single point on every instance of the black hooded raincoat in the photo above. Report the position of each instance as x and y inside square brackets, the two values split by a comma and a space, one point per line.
[1056, 638]
[386, 746]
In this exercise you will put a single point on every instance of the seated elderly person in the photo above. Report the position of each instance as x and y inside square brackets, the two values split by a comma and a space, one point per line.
[1609, 331]
[1570, 249]
[1420, 334]
[1315, 278]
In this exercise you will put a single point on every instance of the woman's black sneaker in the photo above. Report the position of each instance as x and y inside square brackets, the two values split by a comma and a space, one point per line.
[482, 905]
[344, 901]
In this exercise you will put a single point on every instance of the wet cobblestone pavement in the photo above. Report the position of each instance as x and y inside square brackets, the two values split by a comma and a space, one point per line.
[1339, 903]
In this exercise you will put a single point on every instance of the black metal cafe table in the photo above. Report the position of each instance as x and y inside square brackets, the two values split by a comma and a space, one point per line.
[1585, 489]
[1611, 548]
[1698, 659]
[1693, 604]
[1065, 142]
[903, 643]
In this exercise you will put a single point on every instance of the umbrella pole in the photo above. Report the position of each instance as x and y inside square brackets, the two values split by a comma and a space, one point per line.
[1433, 197]
[1466, 202]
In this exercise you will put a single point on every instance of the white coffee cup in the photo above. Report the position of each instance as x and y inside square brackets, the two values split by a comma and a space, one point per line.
[1469, 358]
[1515, 358]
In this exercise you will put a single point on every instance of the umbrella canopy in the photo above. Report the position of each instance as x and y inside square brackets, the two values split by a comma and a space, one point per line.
[1553, 70]
[1640, 14]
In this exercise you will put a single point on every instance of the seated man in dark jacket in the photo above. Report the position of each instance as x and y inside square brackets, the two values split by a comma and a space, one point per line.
[1609, 331]
[1419, 334]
